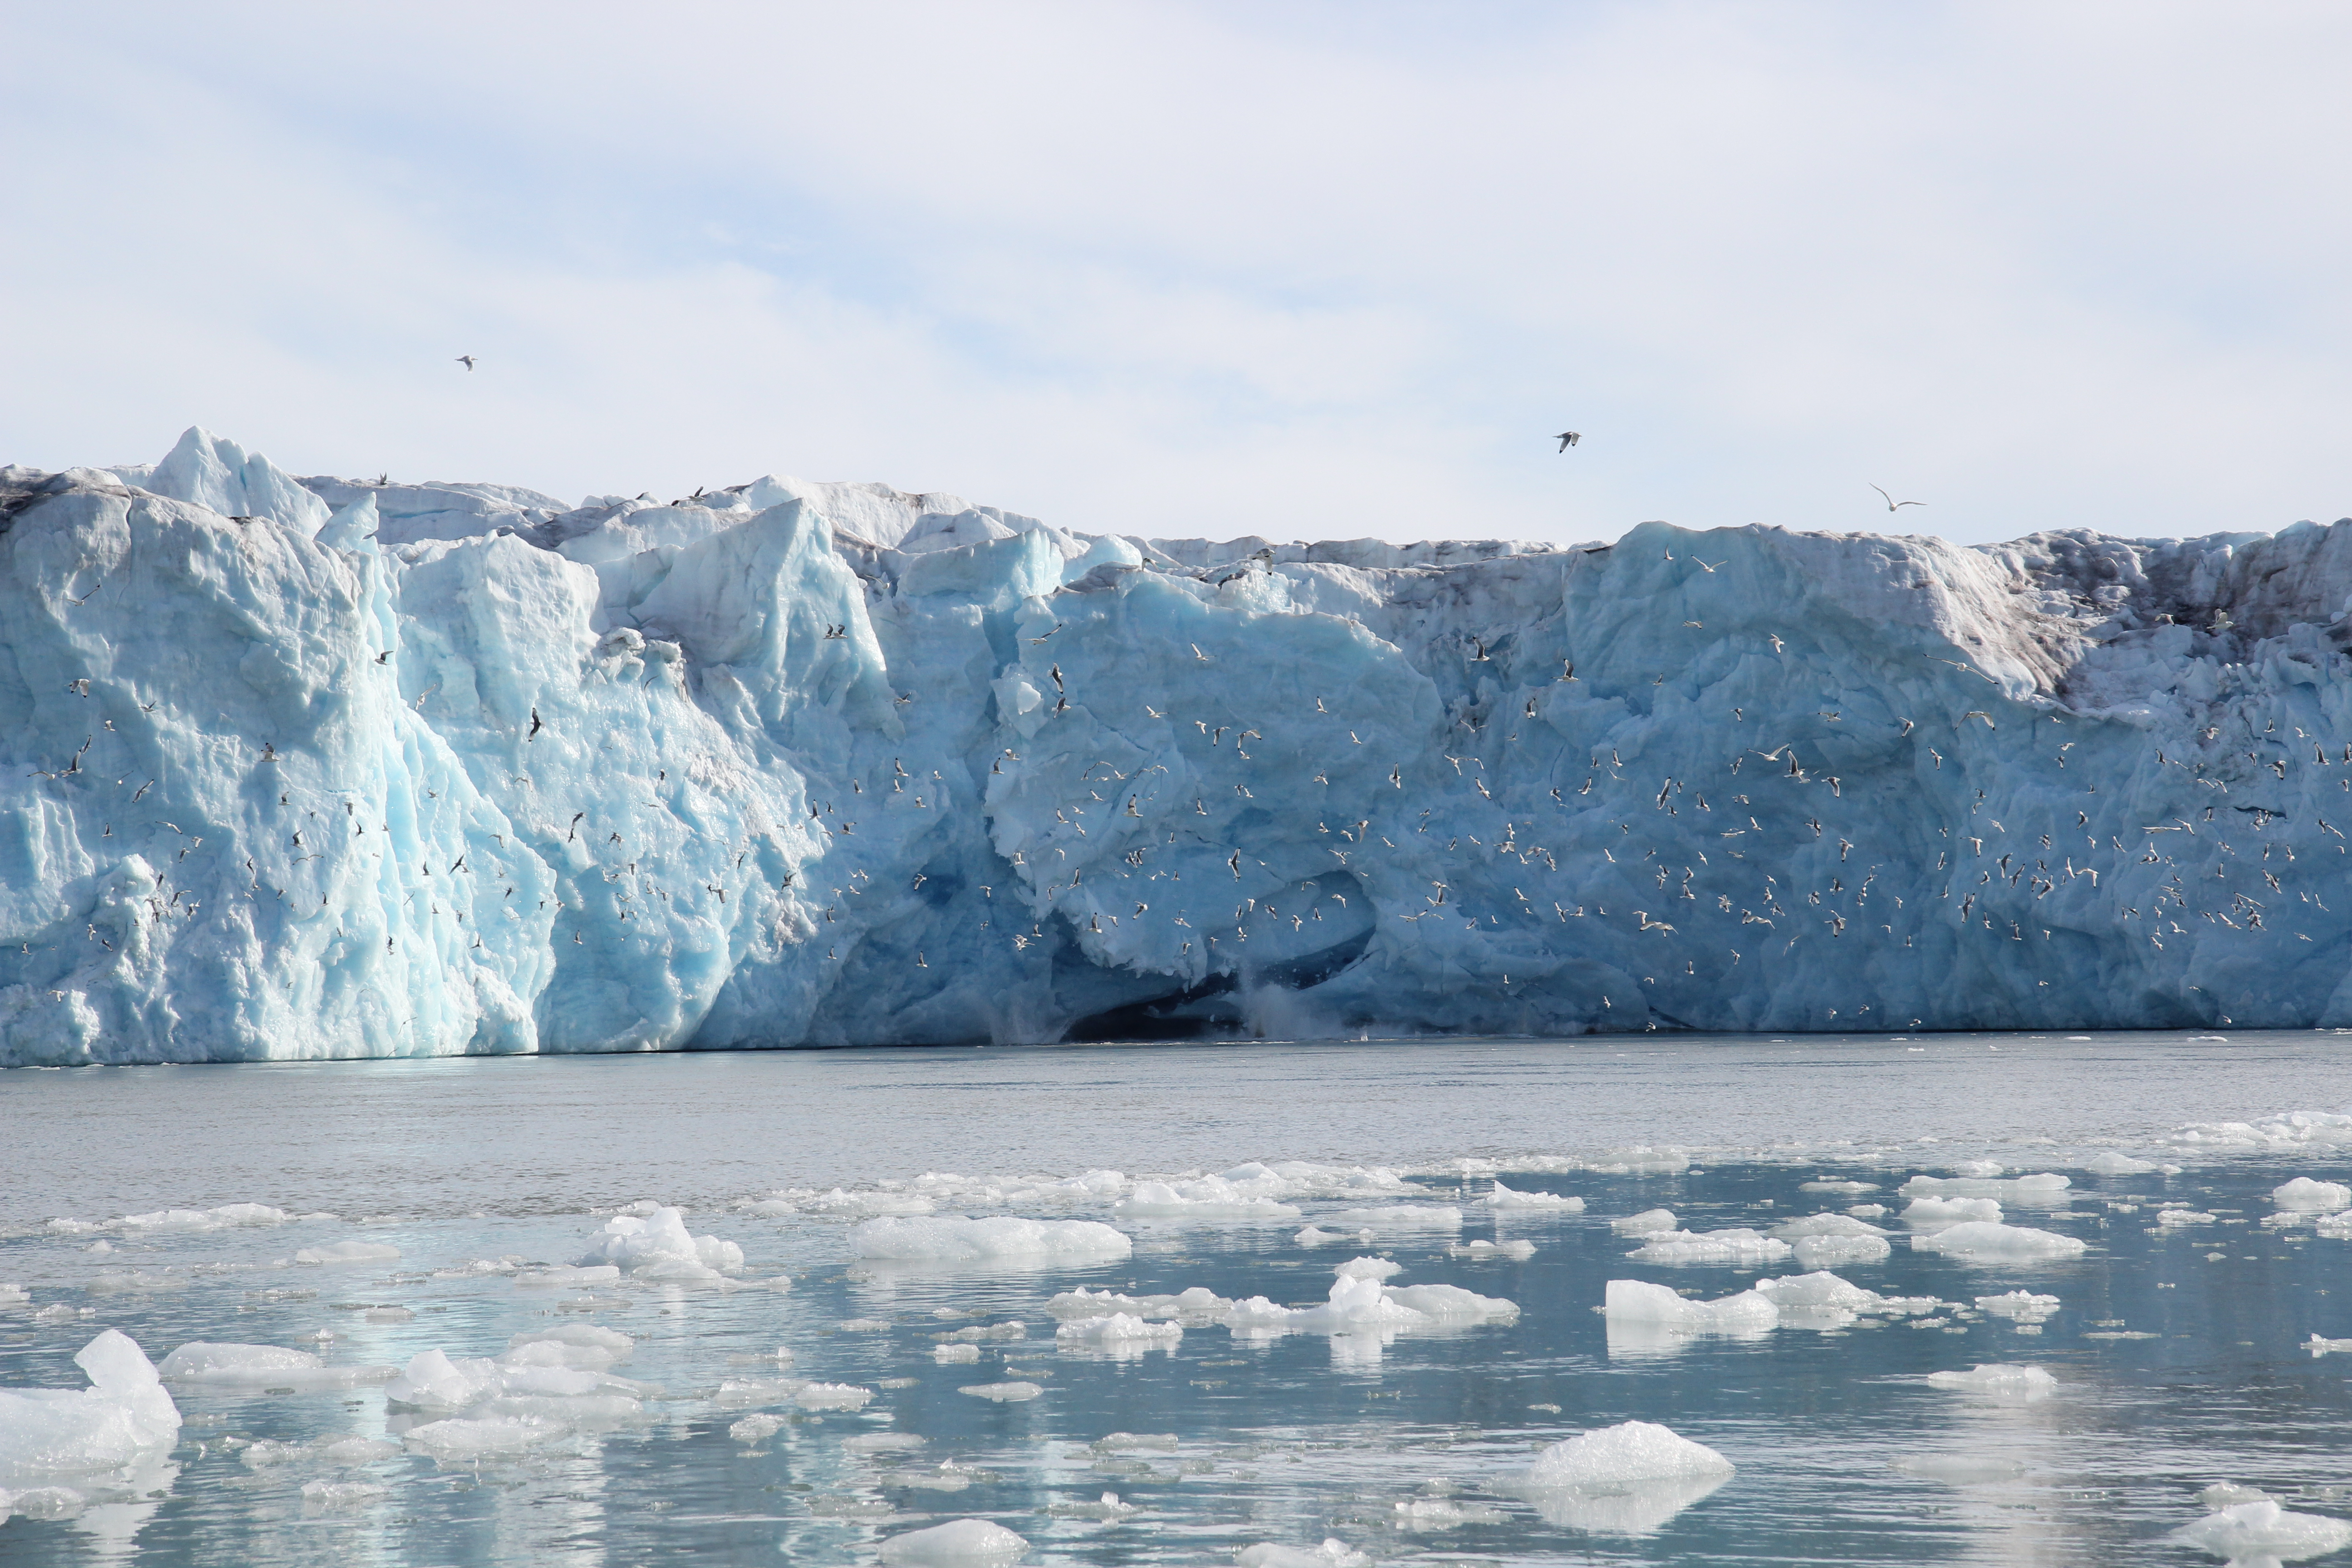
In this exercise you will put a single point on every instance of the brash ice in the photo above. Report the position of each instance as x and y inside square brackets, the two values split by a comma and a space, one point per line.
[314, 768]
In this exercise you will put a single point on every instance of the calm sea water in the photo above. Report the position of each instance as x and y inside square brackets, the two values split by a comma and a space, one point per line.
[2179, 1350]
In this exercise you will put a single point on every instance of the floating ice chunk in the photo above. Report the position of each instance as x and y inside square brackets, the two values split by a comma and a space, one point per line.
[2225, 1494]
[221, 1218]
[977, 1333]
[1368, 1268]
[1649, 1222]
[1119, 1334]
[263, 1366]
[831, 1396]
[124, 1416]
[459, 1439]
[656, 1246]
[572, 1344]
[349, 1252]
[1332, 1553]
[1444, 1513]
[1108, 1509]
[1355, 1304]
[1509, 1200]
[1316, 1235]
[2318, 1346]
[883, 1441]
[1205, 1197]
[326, 1495]
[1951, 1211]
[1627, 1479]
[2109, 1163]
[956, 1542]
[1518, 1251]
[1824, 1225]
[952, 1238]
[530, 1380]
[1451, 1304]
[2044, 1188]
[864, 1325]
[2336, 1227]
[1002, 1393]
[1748, 1313]
[12, 1295]
[2303, 1193]
[2187, 1216]
[950, 1355]
[1197, 1302]
[1401, 1218]
[1640, 1160]
[1825, 1251]
[1740, 1247]
[2003, 1379]
[1849, 1188]
[2019, 1306]
[839, 1204]
[1982, 1242]
[1818, 1291]
[2256, 1532]
[2296, 1130]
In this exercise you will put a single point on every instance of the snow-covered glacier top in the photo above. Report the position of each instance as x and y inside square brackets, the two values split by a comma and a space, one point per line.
[311, 767]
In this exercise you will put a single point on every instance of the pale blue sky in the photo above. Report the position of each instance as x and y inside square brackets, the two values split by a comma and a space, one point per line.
[1307, 271]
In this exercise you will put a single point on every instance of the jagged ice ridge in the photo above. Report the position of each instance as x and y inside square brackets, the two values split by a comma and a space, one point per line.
[318, 768]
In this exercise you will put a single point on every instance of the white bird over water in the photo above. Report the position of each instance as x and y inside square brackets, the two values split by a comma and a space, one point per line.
[1568, 438]
[467, 361]
[1892, 504]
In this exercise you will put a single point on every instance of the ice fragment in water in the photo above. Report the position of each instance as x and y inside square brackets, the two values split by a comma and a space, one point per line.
[124, 1416]
[1984, 1243]
[1628, 1301]
[1649, 1222]
[755, 1428]
[1507, 1199]
[656, 1246]
[1206, 1197]
[1951, 1211]
[2303, 1193]
[1119, 1334]
[1627, 1479]
[2256, 1532]
[2020, 1306]
[2002, 1379]
[1002, 1393]
[952, 1238]
[1737, 1247]
[2109, 1163]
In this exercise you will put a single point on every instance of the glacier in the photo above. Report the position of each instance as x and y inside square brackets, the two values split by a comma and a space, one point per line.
[307, 767]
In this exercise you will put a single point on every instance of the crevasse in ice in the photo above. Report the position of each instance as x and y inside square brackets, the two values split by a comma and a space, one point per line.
[307, 767]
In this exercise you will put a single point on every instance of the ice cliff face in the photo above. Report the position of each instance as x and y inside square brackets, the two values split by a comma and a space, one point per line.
[307, 767]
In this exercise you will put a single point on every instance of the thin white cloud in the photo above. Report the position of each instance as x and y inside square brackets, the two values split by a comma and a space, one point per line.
[1324, 272]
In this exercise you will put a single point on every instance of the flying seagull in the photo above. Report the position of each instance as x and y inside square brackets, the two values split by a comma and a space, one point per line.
[1892, 503]
[1568, 438]
[467, 361]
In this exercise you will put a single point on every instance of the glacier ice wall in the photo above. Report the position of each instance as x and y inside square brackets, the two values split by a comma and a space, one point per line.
[317, 768]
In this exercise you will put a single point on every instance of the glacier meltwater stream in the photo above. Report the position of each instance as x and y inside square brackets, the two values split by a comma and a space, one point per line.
[1884, 1300]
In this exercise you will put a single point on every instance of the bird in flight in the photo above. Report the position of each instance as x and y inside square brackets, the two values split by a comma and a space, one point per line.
[1568, 438]
[1892, 503]
[467, 360]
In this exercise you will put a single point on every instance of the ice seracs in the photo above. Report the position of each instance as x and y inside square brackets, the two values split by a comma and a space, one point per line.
[794, 762]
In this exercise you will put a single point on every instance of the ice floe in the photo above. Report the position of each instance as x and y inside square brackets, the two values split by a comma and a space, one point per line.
[123, 1417]
[1984, 1242]
[656, 1246]
[2000, 1379]
[1626, 1479]
[1738, 1246]
[953, 1238]
[2263, 1531]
